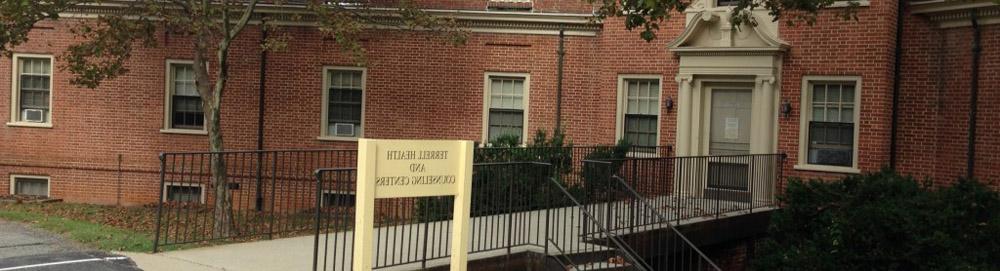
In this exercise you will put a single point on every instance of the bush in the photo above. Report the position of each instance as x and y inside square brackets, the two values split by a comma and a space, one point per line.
[883, 221]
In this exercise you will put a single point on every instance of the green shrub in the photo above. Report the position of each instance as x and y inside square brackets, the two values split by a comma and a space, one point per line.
[883, 221]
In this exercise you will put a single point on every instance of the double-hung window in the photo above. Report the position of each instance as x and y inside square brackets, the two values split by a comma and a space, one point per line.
[639, 110]
[185, 110]
[31, 101]
[506, 101]
[344, 105]
[830, 122]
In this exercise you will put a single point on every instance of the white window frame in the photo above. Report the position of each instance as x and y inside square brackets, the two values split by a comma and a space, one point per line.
[201, 198]
[486, 104]
[622, 101]
[14, 177]
[805, 110]
[324, 119]
[168, 103]
[15, 94]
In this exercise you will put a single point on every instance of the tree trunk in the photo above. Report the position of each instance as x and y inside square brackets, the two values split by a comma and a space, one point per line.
[222, 212]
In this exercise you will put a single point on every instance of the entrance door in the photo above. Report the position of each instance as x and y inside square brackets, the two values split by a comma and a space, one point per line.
[729, 134]
[730, 122]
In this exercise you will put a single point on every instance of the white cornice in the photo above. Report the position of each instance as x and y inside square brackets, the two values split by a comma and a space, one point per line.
[474, 21]
[958, 13]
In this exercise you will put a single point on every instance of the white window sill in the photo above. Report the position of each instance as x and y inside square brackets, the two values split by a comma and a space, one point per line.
[184, 131]
[30, 124]
[337, 138]
[822, 168]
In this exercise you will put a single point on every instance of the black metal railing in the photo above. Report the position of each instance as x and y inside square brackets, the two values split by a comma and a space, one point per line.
[269, 192]
[682, 188]
[516, 207]
[628, 213]
[507, 213]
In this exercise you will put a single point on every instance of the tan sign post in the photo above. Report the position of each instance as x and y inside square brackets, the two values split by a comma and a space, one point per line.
[412, 168]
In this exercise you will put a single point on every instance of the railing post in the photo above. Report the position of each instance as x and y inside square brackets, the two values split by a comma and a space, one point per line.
[318, 218]
[159, 205]
[274, 182]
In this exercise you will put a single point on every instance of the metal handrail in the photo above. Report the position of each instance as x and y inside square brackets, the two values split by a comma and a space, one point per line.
[663, 219]
[628, 252]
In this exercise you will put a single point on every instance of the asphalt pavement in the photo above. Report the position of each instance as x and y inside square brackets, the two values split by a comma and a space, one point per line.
[28, 249]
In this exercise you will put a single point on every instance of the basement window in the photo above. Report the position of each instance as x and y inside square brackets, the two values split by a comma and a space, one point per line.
[187, 193]
[30, 185]
[338, 199]
[509, 5]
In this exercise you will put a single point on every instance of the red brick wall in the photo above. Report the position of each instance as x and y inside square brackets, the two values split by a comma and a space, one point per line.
[934, 105]
[835, 47]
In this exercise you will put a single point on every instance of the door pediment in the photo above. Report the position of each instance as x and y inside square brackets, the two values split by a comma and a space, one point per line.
[709, 33]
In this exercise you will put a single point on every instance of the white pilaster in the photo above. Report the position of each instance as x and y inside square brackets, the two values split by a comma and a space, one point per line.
[685, 106]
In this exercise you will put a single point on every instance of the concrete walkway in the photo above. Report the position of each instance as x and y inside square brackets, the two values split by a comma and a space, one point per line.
[281, 254]
[487, 233]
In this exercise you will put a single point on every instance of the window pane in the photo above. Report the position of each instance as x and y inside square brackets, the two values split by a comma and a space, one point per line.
[819, 93]
[831, 143]
[177, 193]
[505, 122]
[31, 186]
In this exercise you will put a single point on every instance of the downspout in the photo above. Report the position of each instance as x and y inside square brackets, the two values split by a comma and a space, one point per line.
[974, 97]
[897, 70]
[260, 115]
[559, 79]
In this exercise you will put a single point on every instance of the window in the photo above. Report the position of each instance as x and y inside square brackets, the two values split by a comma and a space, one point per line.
[31, 103]
[338, 199]
[726, 3]
[509, 5]
[830, 116]
[184, 107]
[29, 185]
[639, 110]
[343, 104]
[506, 102]
[193, 193]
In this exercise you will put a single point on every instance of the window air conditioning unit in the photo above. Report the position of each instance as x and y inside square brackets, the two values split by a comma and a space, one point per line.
[33, 115]
[343, 129]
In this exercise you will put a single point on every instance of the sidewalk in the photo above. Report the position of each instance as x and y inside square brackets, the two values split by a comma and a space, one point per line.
[278, 255]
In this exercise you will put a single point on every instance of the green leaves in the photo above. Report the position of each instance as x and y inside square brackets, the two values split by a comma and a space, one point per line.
[649, 14]
[107, 44]
[883, 221]
[17, 17]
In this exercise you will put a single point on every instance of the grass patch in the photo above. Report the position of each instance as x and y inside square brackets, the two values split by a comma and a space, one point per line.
[133, 228]
[88, 233]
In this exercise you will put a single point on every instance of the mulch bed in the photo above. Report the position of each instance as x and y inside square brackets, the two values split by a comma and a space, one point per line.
[26, 199]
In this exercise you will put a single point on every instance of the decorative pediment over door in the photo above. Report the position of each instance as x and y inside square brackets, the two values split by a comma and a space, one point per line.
[711, 33]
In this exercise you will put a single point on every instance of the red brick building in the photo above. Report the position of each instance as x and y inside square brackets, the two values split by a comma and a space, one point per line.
[823, 94]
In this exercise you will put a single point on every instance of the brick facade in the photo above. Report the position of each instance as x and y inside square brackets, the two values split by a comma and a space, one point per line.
[418, 86]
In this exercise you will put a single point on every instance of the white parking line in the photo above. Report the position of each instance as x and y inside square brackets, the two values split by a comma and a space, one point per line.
[63, 262]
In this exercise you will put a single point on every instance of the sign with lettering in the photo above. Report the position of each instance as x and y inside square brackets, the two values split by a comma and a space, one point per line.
[412, 168]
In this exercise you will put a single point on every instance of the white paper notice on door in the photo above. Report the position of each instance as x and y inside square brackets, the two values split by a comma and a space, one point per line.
[732, 128]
